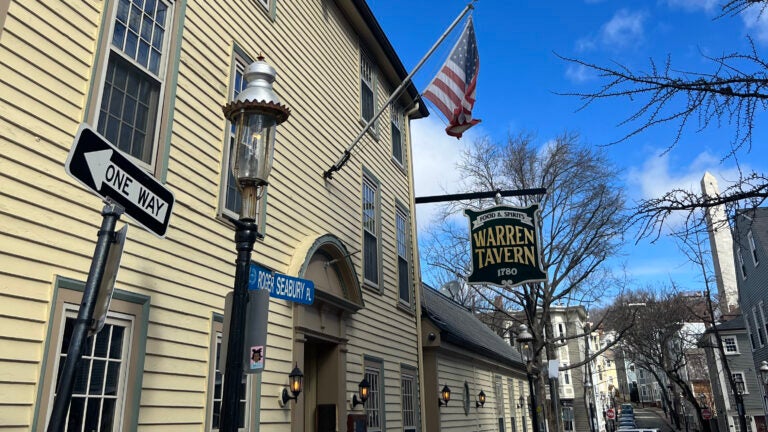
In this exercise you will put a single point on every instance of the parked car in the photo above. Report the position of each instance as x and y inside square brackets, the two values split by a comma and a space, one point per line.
[627, 408]
[627, 423]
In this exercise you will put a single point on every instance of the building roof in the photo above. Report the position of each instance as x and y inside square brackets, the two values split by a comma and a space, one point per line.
[460, 327]
[735, 323]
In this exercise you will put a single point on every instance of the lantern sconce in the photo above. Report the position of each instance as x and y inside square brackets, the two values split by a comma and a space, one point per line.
[363, 390]
[480, 399]
[294, 383]
[445, 396]
[521, 401]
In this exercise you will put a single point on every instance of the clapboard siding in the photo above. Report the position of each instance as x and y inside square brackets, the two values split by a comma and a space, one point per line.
[48, 222]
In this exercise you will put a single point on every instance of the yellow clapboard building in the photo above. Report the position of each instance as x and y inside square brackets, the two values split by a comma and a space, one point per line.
[152, 77]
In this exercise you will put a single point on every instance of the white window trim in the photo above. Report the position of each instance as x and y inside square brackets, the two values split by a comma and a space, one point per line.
[373, 84]
[400, 212]
[70, 310]
[744, 380]
[761, 336]
[161, 77]
[742, 266]
[735, 343]
[752, 248]
[373, 183]
[397, 119]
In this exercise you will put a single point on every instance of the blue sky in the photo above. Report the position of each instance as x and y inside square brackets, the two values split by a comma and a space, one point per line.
[520, 76]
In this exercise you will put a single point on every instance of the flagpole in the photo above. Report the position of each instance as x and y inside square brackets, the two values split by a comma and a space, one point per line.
[345, 157]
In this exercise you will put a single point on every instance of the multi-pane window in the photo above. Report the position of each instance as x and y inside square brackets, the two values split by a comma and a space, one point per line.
[130, 105]
[367, 88]
[403, 268]
[218, 385]
[397, 134]
[370, 232]
[374, 407]
[752, 248]
[566, 375]
[499, 392]
[408, 384]
[98, 393]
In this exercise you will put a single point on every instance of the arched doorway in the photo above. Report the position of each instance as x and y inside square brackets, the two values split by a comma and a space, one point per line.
[320, 342]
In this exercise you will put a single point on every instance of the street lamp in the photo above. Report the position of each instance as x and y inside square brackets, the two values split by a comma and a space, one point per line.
[525, 339]
[764, 378]
[590, 404]
[255, 113]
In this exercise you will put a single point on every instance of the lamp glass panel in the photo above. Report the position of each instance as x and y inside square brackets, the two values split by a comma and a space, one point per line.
[254, 147]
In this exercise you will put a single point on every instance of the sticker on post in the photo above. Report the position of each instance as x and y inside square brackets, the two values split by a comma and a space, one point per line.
[257, 358]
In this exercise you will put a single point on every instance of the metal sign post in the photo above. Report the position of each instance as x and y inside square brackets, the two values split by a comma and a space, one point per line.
[111, 213]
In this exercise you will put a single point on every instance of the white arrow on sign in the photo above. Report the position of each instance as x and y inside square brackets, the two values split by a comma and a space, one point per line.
[104, 171]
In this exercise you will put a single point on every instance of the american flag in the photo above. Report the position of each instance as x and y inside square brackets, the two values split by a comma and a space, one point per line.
[453, 89]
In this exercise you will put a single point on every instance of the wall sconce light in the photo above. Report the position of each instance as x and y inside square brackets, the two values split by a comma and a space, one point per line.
[363, 389]
[520, 401]
[294, 383]
[445, 396]
[480, 399]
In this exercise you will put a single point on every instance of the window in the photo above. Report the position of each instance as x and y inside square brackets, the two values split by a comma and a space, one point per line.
[741, 384]
[737, 425]
[403, 267]
[566, 375]
[752, 248]
[109, 373]
[730, 345]
[370, 231]
[270, 6]
[749, 331]
[408, 388]
[367, 90]
[396, 115]
[760, 329]
[374, 408]
[561, 330]
[216, 384]
[131, 103]
[567, 419]
[230, 200]
[741, 263]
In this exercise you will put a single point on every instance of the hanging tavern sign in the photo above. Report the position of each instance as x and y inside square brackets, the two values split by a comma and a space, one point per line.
[505, 246]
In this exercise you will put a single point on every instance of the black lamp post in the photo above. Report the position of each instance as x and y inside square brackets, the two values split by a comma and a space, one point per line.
[255, 113]
[764, 378]
[525, 339]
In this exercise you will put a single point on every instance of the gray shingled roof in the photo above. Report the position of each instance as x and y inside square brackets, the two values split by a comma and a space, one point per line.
[735, 323]
[460, 327]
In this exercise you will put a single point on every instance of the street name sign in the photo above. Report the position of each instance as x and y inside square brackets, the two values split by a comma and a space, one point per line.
[281, 286]
[101, 167]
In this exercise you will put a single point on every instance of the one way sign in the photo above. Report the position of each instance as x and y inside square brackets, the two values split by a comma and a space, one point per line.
[102, 168]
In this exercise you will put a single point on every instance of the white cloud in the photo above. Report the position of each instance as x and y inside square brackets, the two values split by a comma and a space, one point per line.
[756, 22]
[435, 155]
[693, 5]
[579, 73]
[624, 29]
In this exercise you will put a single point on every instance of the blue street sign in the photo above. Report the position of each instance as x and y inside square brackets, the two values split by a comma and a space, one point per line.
[281, 286]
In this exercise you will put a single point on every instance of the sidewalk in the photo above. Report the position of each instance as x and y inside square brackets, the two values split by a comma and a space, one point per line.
[668, 426]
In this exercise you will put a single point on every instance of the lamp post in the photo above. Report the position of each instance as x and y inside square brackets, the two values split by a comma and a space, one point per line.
[255, 113]
[590, 404]
[764, 378]
[525, 339]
